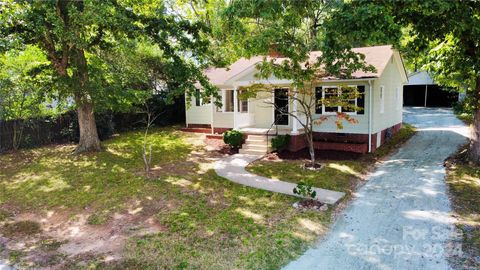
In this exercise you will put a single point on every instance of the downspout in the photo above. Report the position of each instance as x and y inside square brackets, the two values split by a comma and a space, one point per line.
[186, 110]
[213, 114]
[370, 106]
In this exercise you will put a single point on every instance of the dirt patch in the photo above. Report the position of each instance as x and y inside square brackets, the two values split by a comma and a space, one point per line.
[216, 145]
[68, 236]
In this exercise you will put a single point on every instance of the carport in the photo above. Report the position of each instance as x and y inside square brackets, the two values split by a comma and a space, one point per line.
[422, 90]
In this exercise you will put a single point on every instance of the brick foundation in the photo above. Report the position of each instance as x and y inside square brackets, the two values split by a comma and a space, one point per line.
[204, 128]
[357, 143]
[199, 126]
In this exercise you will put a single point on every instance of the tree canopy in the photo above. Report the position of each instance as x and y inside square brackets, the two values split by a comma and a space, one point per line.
[441, 37]
[78, 37]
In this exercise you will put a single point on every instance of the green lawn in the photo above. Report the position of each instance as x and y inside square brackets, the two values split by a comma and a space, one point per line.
[463, 180]
[336, 175]
[208, 222]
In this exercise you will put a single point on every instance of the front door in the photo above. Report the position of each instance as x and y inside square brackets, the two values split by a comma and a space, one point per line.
[281, 106]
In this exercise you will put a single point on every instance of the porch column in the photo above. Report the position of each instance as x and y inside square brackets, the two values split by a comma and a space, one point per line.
[235, 107]
[295, 113]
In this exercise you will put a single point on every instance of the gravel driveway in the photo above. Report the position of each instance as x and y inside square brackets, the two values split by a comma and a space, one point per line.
[400, 219]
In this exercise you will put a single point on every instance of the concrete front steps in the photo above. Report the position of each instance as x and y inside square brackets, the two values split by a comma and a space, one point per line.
[256, 145]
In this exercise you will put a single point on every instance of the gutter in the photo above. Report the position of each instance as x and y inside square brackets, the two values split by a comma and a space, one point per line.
[370, 106]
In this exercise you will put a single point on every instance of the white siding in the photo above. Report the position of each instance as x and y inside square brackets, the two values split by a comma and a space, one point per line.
[198, 114]
[392, 115]
[263, 110]
[360, 128]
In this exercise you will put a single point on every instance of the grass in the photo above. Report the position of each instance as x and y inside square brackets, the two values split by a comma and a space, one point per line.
[208, 222]
[51, 176]
[4, 215]
[20, 228]
[398, 139]
[336, 175]
[463, 180]
[467, 118]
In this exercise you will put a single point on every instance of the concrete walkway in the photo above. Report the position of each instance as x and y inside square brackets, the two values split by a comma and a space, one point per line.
[233, 168]
[3, 266]
[400, 219]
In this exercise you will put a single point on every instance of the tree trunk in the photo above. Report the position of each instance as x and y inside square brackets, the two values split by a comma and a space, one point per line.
[475, 128]
[89, 140]
[311, 148]
[17, 133]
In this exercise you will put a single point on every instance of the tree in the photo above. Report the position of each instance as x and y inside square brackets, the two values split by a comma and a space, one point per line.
[305, 97]
[22, 77]
[442, 36]
[73, 32]
[292, 29]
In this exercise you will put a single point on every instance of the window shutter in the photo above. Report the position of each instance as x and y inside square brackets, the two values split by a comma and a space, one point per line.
[361, 99]
[318, 97]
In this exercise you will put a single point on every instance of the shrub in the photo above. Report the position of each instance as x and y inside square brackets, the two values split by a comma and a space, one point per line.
[280, 142]
[304, 190]
[234, 138]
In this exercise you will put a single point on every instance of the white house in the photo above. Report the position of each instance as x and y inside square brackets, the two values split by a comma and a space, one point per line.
[382, 96]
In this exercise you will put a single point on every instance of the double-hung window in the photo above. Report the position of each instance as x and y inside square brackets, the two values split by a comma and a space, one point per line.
[242, 104]
[332, 99]
[199, 100]
[228, 101]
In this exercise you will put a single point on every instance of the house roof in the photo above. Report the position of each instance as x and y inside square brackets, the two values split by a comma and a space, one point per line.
[420, 78]
[377, 56]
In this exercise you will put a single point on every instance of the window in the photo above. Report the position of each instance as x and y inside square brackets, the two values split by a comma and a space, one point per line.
[198, 98]
[382, 99]
[228, 101]
[328, 92]
[349, 96]
[361, 99]
[242, 104]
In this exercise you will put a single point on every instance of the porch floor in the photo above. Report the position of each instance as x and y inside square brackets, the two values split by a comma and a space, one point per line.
[264, 131]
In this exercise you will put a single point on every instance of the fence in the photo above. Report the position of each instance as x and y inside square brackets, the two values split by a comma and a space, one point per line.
[64, 128]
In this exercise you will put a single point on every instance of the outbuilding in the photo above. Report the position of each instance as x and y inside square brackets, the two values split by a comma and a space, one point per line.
[422, 91]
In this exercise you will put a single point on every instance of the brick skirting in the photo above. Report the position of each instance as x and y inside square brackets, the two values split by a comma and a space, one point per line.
[204, 128]
[357, 143]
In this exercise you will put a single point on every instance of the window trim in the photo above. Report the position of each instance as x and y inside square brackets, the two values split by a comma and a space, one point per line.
[240, 107]
[224, 98]
[339, 108]
[198, 98]
[323, 97]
